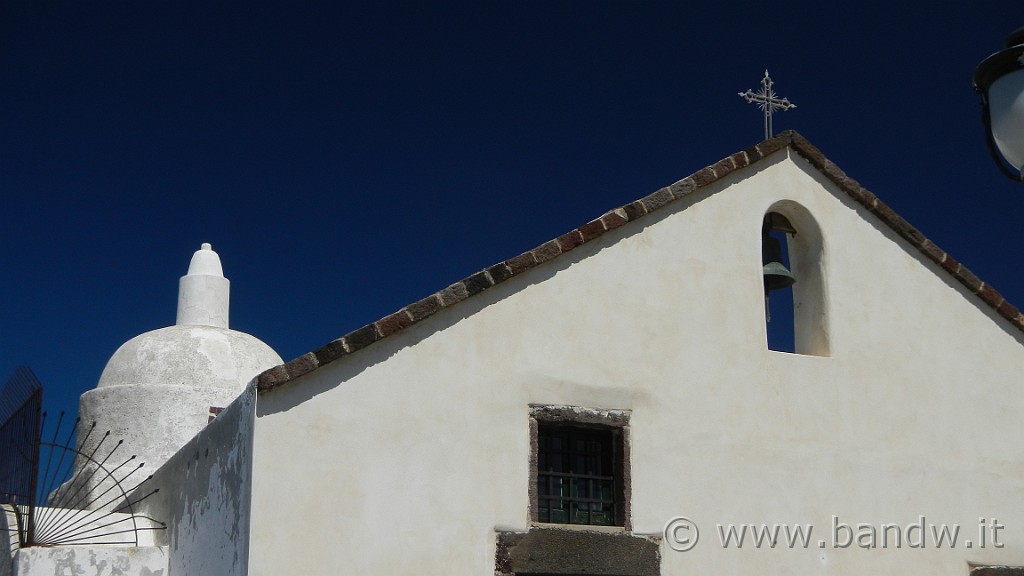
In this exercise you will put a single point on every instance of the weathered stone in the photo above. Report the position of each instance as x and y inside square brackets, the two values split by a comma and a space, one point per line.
[998, 571]
[739, 159]
[570, 240]
[972, 282]
[933, 251]
[658, 199]
[990, 295]
[361, 338]
[546, 251]
[704, 177]
[521, 263]
[271, 377]
[683, 187]
[393, 323]
[1008, 311]
[723, 167]
[453, 294]
[950, 264]
[477, 283]
[635, 210]
[302, 365]
[591, 230]
[424, 308]
[573, 551]
[499, 273]
[613, 220]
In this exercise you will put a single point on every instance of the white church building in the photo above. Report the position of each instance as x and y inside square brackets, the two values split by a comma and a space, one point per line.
[607, 403]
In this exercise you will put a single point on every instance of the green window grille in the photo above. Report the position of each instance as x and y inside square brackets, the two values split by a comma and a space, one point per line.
[576, 475]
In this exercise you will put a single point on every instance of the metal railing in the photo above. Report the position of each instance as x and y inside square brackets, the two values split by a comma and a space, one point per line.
[87, 507]
[21, 405]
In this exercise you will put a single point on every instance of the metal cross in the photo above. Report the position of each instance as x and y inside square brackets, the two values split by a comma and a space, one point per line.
[767, 101]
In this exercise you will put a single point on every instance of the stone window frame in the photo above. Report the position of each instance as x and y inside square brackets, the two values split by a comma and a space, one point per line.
[997, 570]
[617, 420]
[549, 550]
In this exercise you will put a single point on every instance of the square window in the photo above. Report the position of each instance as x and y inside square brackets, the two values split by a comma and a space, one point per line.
[576, 476]
[579, 467]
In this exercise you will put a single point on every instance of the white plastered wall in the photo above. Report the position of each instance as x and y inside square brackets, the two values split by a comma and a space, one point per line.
[407, 456]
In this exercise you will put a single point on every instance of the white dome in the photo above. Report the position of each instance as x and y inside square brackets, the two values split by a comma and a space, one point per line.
[161, 388]
[186, 355]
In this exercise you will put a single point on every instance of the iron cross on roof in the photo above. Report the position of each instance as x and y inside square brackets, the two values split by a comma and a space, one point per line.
[767, 101]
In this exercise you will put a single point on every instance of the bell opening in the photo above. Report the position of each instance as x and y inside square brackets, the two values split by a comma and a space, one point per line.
[775, 272]
[778, 281]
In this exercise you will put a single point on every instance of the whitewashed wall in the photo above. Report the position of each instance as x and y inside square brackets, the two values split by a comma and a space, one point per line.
[407, 456]
[205, 494]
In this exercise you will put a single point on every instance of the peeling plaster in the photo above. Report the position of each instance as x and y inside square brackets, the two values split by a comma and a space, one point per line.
[205, 494]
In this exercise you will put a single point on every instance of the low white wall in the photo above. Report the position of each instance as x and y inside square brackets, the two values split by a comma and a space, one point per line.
[91, 560]
[205, 493]
[8, 539]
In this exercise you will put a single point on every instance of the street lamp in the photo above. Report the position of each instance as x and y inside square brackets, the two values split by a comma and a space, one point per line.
[1000, 81]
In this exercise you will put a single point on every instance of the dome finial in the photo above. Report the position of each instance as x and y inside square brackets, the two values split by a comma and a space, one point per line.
[204, 293]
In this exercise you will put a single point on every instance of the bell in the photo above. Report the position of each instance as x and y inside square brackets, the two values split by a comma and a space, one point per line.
[776, 276]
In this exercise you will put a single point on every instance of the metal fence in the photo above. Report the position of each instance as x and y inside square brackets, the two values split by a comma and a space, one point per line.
[21, 404]
[50, 505]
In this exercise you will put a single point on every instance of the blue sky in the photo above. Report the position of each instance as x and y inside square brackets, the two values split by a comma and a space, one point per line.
[348, 158]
